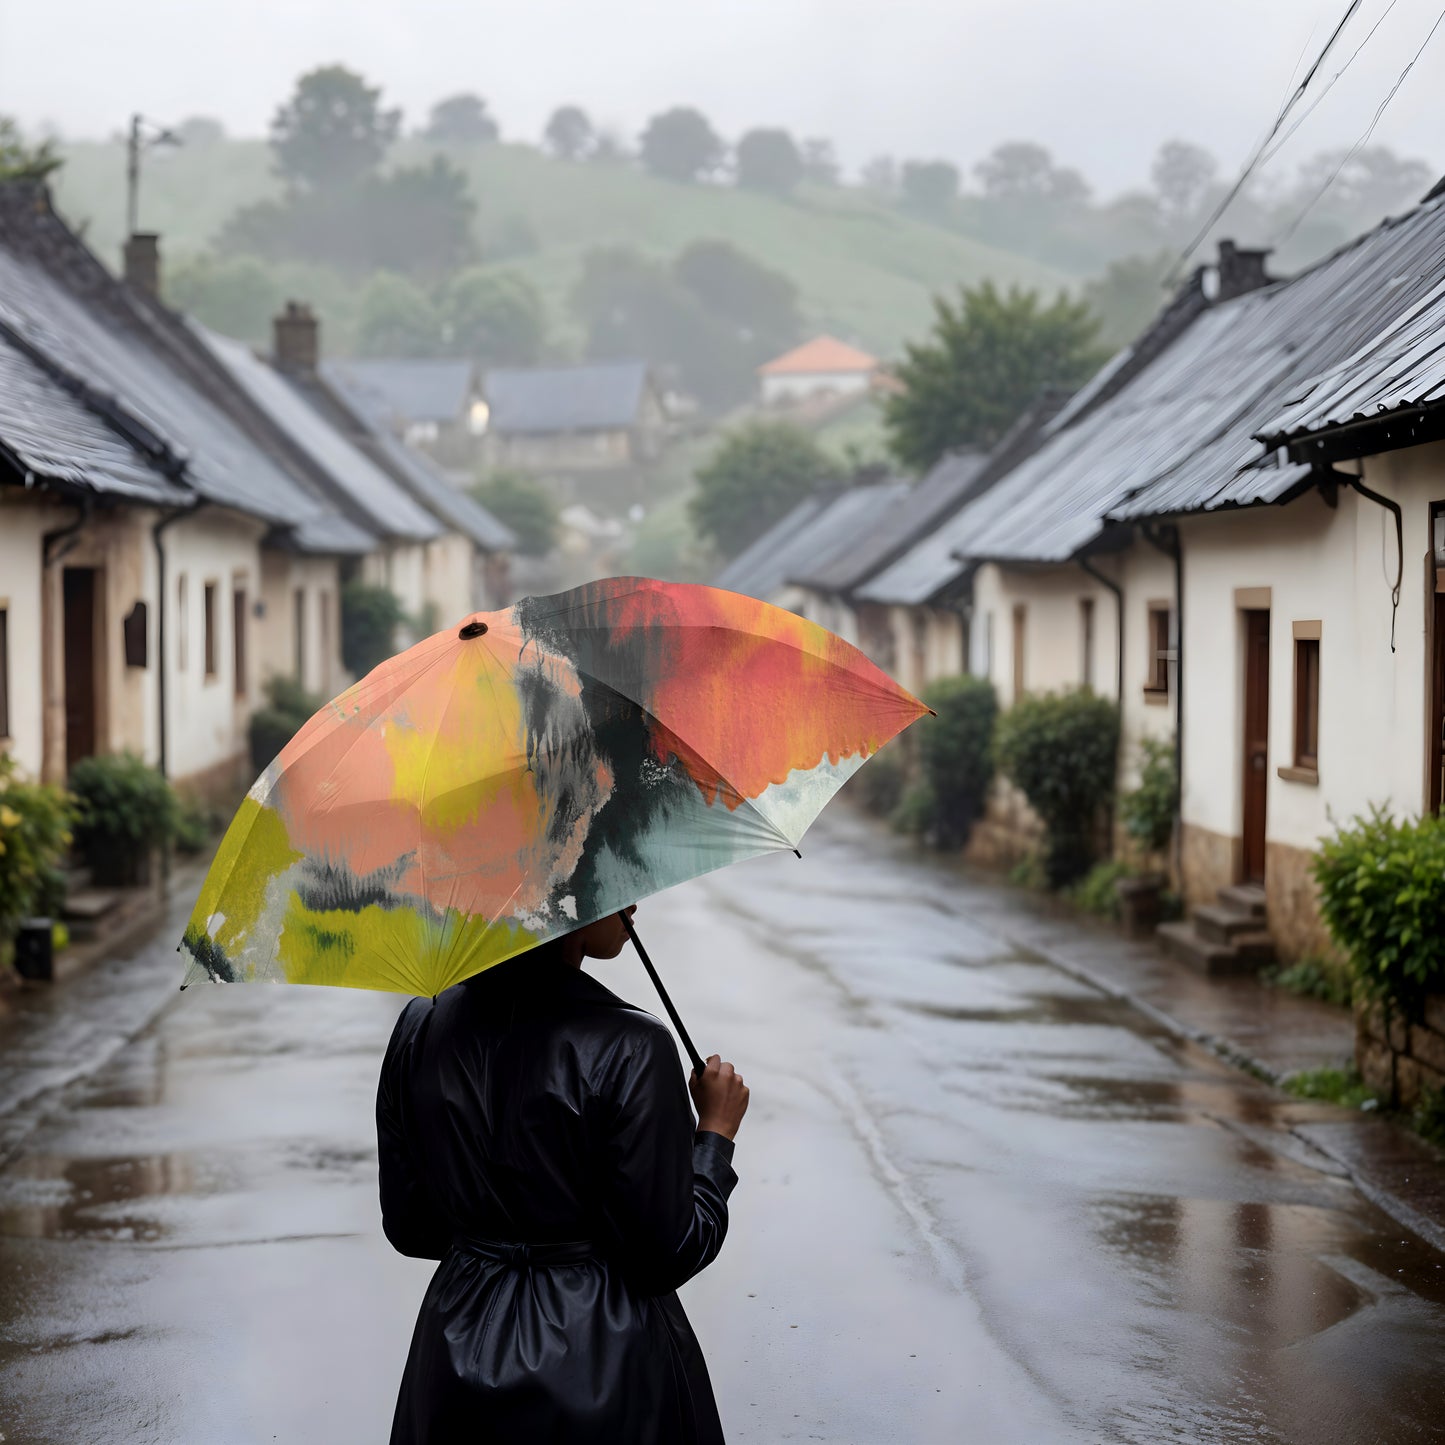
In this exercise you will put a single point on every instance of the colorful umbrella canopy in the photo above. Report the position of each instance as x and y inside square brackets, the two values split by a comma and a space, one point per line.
[530, 771]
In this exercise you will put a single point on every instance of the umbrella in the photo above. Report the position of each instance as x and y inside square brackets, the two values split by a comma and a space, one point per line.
[528, 772]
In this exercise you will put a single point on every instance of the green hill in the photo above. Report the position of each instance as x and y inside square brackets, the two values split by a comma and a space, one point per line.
[862, 269]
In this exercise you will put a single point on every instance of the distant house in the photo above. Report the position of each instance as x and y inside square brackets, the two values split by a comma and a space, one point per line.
[572, 419]
[820, 367]
[430, 404]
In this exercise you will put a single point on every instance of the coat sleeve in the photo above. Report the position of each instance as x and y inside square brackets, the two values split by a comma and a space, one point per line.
[665, 1189]
[409, 1216]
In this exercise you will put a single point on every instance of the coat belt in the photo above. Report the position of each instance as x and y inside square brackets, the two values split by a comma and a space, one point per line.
[513, 1255]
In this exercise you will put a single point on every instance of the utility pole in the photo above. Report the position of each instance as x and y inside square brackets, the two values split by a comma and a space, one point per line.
[136, 142]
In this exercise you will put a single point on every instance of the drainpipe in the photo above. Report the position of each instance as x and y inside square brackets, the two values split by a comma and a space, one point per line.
[1118, 592]
[1167, 540]
[1358, 483]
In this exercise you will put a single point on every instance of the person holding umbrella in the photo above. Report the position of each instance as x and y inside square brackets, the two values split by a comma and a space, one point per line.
[466, 824]
[535, 1137]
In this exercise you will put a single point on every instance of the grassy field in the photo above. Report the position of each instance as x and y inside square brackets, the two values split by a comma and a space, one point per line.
[862, 269]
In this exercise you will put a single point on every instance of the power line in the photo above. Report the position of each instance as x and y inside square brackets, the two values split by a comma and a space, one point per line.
[1359, 145]
[1309, 110]
[1258, 153]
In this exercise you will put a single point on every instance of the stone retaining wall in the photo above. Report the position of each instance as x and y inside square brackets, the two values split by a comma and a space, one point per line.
[1399, 1058]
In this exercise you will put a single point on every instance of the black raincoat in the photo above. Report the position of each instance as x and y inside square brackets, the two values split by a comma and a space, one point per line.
[535, 1136]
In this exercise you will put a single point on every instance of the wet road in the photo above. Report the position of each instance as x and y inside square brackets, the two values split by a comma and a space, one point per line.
[979, 1203]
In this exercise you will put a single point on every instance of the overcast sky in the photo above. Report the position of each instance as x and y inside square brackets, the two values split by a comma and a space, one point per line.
[1101, 83]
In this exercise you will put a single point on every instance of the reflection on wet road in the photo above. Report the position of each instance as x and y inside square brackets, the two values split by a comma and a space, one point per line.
[979, 1202]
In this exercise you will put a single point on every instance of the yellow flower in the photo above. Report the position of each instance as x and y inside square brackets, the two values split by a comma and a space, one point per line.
[9, 818]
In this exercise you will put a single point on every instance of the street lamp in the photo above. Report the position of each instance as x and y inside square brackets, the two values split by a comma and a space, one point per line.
[138, 141]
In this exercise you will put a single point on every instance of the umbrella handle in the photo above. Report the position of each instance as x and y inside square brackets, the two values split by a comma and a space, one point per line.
[697, 1062]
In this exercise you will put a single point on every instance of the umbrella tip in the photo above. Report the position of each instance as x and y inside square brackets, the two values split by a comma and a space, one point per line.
[796, 854]
[472, 629]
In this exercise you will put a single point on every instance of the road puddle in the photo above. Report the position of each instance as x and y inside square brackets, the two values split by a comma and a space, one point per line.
[48, 1197]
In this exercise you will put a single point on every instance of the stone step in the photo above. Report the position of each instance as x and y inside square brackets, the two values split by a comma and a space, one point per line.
[1219, 924]
[1183, 941]
[88, 910]
[1244, 898]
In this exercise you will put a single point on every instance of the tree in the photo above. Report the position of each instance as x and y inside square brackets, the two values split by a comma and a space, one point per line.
[680, 145]
[333, 130]
[987, 357]
[495, 317]
[519, 502]
[569, 134]
[880, 176]
[1023, 169]
[758, 304]
[820, 162]
[461, 120]
[758, 474]
[1182, 174]
[1368, 184]
[768, 160]
[200, 132]
[418, 220]
[929, 187]
[22, 162]
[1127, 297]
[235, 295]
[397, 319]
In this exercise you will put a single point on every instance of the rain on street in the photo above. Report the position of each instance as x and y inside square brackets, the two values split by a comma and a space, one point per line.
[979, 1200]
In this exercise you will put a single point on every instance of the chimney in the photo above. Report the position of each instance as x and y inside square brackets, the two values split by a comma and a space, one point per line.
[142, 255]
[1240, 270]
[296, 344]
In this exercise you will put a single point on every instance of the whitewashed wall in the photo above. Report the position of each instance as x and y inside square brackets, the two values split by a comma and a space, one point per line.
[317, 580]
[798, 384]
[23, 523]
[451, 579]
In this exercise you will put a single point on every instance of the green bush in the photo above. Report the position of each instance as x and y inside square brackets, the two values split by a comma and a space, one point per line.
[1148, 811]
[1311, 978]
[35, 824]
[1095, 892]
[1335, 1086]
[520, 502]
[1061, 751]
[288, 706]
[916, 809]
[369, 618]
[125, 810]
[955, 752]
[1382, 896]
[1428, 1119]
[879, 783]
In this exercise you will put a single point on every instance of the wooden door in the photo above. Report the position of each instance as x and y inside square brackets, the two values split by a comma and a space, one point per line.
[1256, 743]
[80, 658]
[1437, 706]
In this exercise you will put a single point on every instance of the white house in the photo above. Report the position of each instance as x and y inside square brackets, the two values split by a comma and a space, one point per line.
[818, 367]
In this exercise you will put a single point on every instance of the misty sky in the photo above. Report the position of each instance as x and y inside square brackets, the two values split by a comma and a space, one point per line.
[1101, 83]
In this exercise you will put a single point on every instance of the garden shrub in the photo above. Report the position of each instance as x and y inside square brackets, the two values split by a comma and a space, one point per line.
[35, 824]
[370, 616]
[288, 706]
[1382, 896]
[1312, 978]
[879, 783]
[955, 755]
[1061, 750]
[1095, 892]
[1148, 811]
[124, 810]
[916, 809]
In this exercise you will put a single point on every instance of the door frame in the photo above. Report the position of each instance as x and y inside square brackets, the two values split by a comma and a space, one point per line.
[1255, 691]
[1435, 668]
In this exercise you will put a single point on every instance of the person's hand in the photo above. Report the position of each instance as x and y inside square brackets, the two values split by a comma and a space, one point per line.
[721, 1098]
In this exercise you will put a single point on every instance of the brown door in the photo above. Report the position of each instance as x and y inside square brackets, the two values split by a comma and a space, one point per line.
[1256, 742]
[80, 722]
[1437, 706]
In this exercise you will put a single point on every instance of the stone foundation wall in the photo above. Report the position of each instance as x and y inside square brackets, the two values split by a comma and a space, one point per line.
[1398, 1058]
[224, 785]
[1294, 904]
[1009, 831]
[1208, 862]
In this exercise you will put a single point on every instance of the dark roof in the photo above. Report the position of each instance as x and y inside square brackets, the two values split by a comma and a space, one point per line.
[933, 498]
[132, 368]
[815, 532]
[356, 409]
[416, 390]
[604, 397]
[382, 505]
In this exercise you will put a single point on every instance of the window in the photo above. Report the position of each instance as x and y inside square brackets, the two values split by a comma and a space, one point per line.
[238, 639]
[182, 622]
[1021, 614]
[298, 623]
[1156, 675]
[1307, 698]
[4, 672]
[209, 623]
[1086, 641]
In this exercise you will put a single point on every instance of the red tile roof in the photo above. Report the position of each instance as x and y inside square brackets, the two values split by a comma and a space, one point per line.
[821, 354]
